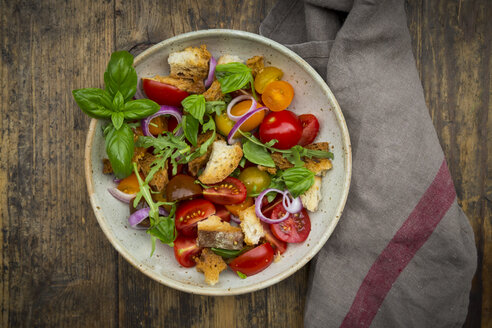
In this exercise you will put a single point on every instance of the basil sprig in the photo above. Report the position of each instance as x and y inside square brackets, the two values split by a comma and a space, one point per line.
[114, 103]
[234, 76]
[296, 179]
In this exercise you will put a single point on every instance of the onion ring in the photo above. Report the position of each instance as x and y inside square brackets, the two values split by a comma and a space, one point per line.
[165, 110]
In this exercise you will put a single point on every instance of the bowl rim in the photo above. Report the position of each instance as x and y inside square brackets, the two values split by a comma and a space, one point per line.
[314, 249]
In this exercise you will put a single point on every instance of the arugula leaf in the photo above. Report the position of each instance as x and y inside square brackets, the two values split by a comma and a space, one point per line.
[117, 118]
[164, 231]
[209, 125]
[215, 107]
[298, 180]
[241, 275]
[257, 154]
[120, 75]
[195, 105]
[227, 253]
[119, 147]
[94, 102]
[139, 109]
[275, 183]
[190, 128]
[234, 76]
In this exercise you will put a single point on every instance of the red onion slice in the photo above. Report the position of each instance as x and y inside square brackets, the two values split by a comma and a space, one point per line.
[244, 118]
[237, 100]
[292, 206]
[235, 219]
[211, 72]
[142, 214]
[165, 110]
[258, 212]
[120, 195]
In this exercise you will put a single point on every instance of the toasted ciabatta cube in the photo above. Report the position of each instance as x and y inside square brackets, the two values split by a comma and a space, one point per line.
[212, 232]
[256, 64]
[211, 265]
[191, 63]
[222, 162]
[251, 226]
[214, 92]
[188, 85]
[310, 199]
[226, 59]
[318, 165]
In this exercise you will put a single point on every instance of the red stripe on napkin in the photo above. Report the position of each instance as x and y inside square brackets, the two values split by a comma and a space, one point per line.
[414, 232]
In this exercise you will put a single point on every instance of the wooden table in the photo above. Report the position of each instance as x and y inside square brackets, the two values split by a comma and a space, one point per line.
[59, 270]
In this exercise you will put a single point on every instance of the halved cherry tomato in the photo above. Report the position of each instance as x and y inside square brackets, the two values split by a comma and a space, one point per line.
[266, 76]
[185, 250]
[293, 230]
[190, 212]
[278, 95]
[163, 94]
[283, 126]
[252, 122]
[237, 208]
[229, 191]
[160, 124]
[253, 261]
[267, 208]
[310, 128]
[129, 185]
[222, 213]
[182, 186]
[278, 245]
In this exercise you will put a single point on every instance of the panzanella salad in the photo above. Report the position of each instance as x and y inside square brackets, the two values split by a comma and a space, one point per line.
[210, 159]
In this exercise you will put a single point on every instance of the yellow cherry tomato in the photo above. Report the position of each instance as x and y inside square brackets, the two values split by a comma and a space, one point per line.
[278, 95]
[266, 76]
[224, 123]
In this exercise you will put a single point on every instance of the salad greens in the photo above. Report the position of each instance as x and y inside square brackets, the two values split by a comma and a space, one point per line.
[296, 179]
[234, 76]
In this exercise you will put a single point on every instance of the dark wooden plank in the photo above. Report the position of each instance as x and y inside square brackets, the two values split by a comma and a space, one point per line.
[57, 267]
[452, 44]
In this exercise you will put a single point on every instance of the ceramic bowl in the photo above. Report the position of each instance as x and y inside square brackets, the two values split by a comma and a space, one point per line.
[312, 95]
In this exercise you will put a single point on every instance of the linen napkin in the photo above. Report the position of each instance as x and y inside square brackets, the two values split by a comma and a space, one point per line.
[403, 253]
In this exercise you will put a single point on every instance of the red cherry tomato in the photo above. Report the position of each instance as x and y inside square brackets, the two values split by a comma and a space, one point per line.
[278, 245]
[310, 128]
[163, 94]
[182, 187]
[189, 213]
[230, 191]
[283, 126]
[222, 213]
[253, 261]
[267, 208]
[185, 250]
[293, 230]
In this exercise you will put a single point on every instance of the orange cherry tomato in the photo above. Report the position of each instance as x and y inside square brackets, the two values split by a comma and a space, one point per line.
[236, 208]
[251, 123]
[278, 95]
[129, 185]
[266, 76]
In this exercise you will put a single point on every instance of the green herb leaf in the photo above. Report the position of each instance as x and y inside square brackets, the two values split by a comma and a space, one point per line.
[209, 125]
[298, 180]
[195, 105]
[234, 76]
[118, 102]
[241, 275]
[164, 231]
[190, 128]
[117, 118]
[215, 107]
[94, 102]
[119, 147]
[257, 154]
[275, 183]
[120, 75]
[139, 109]
[227, 253]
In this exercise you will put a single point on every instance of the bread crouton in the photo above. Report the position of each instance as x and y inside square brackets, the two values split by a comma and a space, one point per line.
[281, 162]
[222, 162]
[319, 165]
[251, 226]
[160, 178]
[270, 170]
[310, 199]
[214, 92]
[212, 232]
[226, 59]
[256, 64]
[187, 85]
[107, 168]
[191, 63]
[211, 265]
[195, 165]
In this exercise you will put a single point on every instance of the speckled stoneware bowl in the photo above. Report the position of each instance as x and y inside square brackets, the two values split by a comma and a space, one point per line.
[312, 95]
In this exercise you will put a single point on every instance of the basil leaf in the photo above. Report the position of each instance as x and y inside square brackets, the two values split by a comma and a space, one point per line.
[117, 119]
[118, 101]
[195, 105]
[215, 107]
[120, 75]
[257, 154]
[139, 109]
[94, 102]
[298, 180]
[190, 128]
[227, 253]
[294, 157]
[209, 125]
[119, 147]
[233, 76]
[275, 183]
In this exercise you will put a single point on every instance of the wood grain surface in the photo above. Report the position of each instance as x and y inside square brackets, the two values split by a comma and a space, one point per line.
[58, 269]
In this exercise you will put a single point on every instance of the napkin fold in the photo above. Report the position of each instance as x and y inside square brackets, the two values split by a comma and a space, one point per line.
[403, 253]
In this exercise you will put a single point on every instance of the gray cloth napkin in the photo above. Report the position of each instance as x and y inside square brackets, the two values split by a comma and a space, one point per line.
[403, 254]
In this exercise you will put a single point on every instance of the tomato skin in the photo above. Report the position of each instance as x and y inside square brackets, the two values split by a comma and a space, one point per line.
[222, 213]
[189, 213]
[310, 129]
[278, 95]
[267, 208]
[227, 192]
[129, 185]
[283, 126]
[237, 208]
[252, 122]
[181, 187]
[185, 250]
[224, 124]
[163, 94]
[253, 261]
[255, 180]
[267, 76]
[293, 230]
[277, 245]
